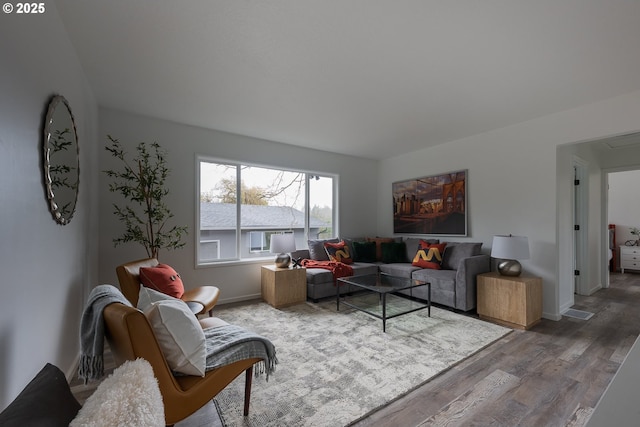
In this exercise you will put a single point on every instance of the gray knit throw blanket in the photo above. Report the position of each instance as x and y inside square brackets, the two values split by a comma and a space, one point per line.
[92, 331]
[230, 343]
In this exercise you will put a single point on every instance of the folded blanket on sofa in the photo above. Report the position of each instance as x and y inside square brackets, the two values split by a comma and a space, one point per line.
[338, 269]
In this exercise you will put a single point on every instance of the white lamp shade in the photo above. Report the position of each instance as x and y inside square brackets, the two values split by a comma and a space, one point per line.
[510, 247]
[282, 243]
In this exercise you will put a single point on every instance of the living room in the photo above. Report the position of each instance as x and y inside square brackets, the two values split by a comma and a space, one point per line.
[520, 182]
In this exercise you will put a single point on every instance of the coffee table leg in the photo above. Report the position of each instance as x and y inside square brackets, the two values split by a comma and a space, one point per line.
[337, 297]
[429, 308]
[384, 312]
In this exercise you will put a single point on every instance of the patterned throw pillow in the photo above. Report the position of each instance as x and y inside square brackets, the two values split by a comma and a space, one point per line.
[429, 255]
[162, 278]
[338, 252]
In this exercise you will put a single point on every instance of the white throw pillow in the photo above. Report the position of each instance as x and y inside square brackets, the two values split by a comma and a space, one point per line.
[130, 396]
[148, 296]
[177, 330]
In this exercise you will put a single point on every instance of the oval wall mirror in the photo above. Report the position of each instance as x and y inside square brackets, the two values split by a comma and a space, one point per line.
[61, 160]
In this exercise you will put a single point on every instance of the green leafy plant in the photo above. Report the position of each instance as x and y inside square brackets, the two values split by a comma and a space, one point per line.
[141, 181]
[635, 231]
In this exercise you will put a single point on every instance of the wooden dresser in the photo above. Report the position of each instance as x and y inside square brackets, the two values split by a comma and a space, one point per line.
[629, 258]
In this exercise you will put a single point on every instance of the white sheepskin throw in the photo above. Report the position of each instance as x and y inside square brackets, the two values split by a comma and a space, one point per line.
[128, 397]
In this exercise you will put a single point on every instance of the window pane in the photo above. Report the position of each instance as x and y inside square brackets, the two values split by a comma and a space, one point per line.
[321, 207]
[238, 220]
[218, 218]
[271, 200]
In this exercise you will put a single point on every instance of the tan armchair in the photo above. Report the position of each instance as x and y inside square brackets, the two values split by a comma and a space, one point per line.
[200, 300]
[130, 336]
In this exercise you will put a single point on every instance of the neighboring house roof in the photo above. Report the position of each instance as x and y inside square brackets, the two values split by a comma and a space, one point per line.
[221, 216]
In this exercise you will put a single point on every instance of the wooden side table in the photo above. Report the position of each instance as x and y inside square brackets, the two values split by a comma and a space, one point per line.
[283, 286]
[515, 302]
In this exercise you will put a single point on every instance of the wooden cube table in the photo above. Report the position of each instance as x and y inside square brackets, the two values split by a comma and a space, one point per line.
[515, 302]
[283, 286]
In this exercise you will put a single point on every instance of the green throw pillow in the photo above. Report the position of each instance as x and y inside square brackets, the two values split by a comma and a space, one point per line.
[364, 251]
[394, 252]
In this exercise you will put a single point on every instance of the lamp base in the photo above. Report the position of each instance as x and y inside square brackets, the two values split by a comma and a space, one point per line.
[283, 260]
[510, 267]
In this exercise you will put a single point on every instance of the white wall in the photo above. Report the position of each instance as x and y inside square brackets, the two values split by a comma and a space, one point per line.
[517, 184]
[358, 193]
[46, 268]
[624, 203]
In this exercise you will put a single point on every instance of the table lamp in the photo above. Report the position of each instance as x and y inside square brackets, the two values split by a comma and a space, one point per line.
[283, 244]
[509, 249]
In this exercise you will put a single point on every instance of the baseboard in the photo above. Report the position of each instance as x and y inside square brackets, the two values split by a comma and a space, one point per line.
[71, 373]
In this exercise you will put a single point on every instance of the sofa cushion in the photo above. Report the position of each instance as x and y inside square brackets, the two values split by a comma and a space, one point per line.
[316, 276]
[338, 252]
[456, 251]
[316, 249]
[378, 241]
[45, 401]
[394, 252]
[364, 251]
[403, 269]
[429, 255]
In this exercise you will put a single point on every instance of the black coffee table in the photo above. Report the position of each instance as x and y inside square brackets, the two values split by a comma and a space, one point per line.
[380, 286]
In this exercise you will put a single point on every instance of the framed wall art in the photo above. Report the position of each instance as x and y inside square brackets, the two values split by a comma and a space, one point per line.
[435, 204]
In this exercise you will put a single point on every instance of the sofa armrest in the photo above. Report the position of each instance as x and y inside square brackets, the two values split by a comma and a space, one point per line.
[466, 283]
[300, 253]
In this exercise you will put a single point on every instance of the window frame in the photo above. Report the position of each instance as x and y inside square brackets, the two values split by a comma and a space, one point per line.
[239, 165]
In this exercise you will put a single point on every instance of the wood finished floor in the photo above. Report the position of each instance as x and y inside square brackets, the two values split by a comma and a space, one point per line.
[551, 375]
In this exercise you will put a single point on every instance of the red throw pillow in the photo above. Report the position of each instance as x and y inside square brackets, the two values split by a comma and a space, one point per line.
[338, 252]
[162, 278]
[429, 255]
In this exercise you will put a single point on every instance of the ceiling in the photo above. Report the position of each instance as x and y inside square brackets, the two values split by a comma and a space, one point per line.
[367, 78]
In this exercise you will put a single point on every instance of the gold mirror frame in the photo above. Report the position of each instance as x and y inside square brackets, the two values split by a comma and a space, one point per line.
[61, 160]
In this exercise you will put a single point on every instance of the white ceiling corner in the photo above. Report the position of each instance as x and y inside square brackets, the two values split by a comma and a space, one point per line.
[372, 79]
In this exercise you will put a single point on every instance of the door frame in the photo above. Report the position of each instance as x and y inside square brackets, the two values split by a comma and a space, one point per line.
[580, 211]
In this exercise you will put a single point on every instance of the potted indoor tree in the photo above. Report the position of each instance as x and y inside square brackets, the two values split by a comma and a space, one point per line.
[141, 182]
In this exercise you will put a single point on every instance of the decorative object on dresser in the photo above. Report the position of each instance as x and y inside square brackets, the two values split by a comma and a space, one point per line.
[282, 287]
[283, 245]
[509, 249]
[629, 258]
[510, 301]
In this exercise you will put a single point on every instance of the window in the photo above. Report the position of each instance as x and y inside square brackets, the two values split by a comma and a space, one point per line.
[241, 206]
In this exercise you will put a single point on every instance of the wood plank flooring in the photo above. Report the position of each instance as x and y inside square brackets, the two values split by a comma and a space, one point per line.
[551, 375]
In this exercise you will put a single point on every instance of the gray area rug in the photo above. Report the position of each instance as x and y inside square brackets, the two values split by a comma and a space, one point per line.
[337, 367]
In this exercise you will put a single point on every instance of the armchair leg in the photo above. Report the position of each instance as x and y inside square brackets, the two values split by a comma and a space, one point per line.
[247, 389]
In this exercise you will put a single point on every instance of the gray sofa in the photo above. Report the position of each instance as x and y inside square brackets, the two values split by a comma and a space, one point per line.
[453, 286]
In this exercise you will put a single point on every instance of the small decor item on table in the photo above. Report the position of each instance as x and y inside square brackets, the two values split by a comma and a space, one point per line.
[283, 245]
[636, 232]
[509, 249]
